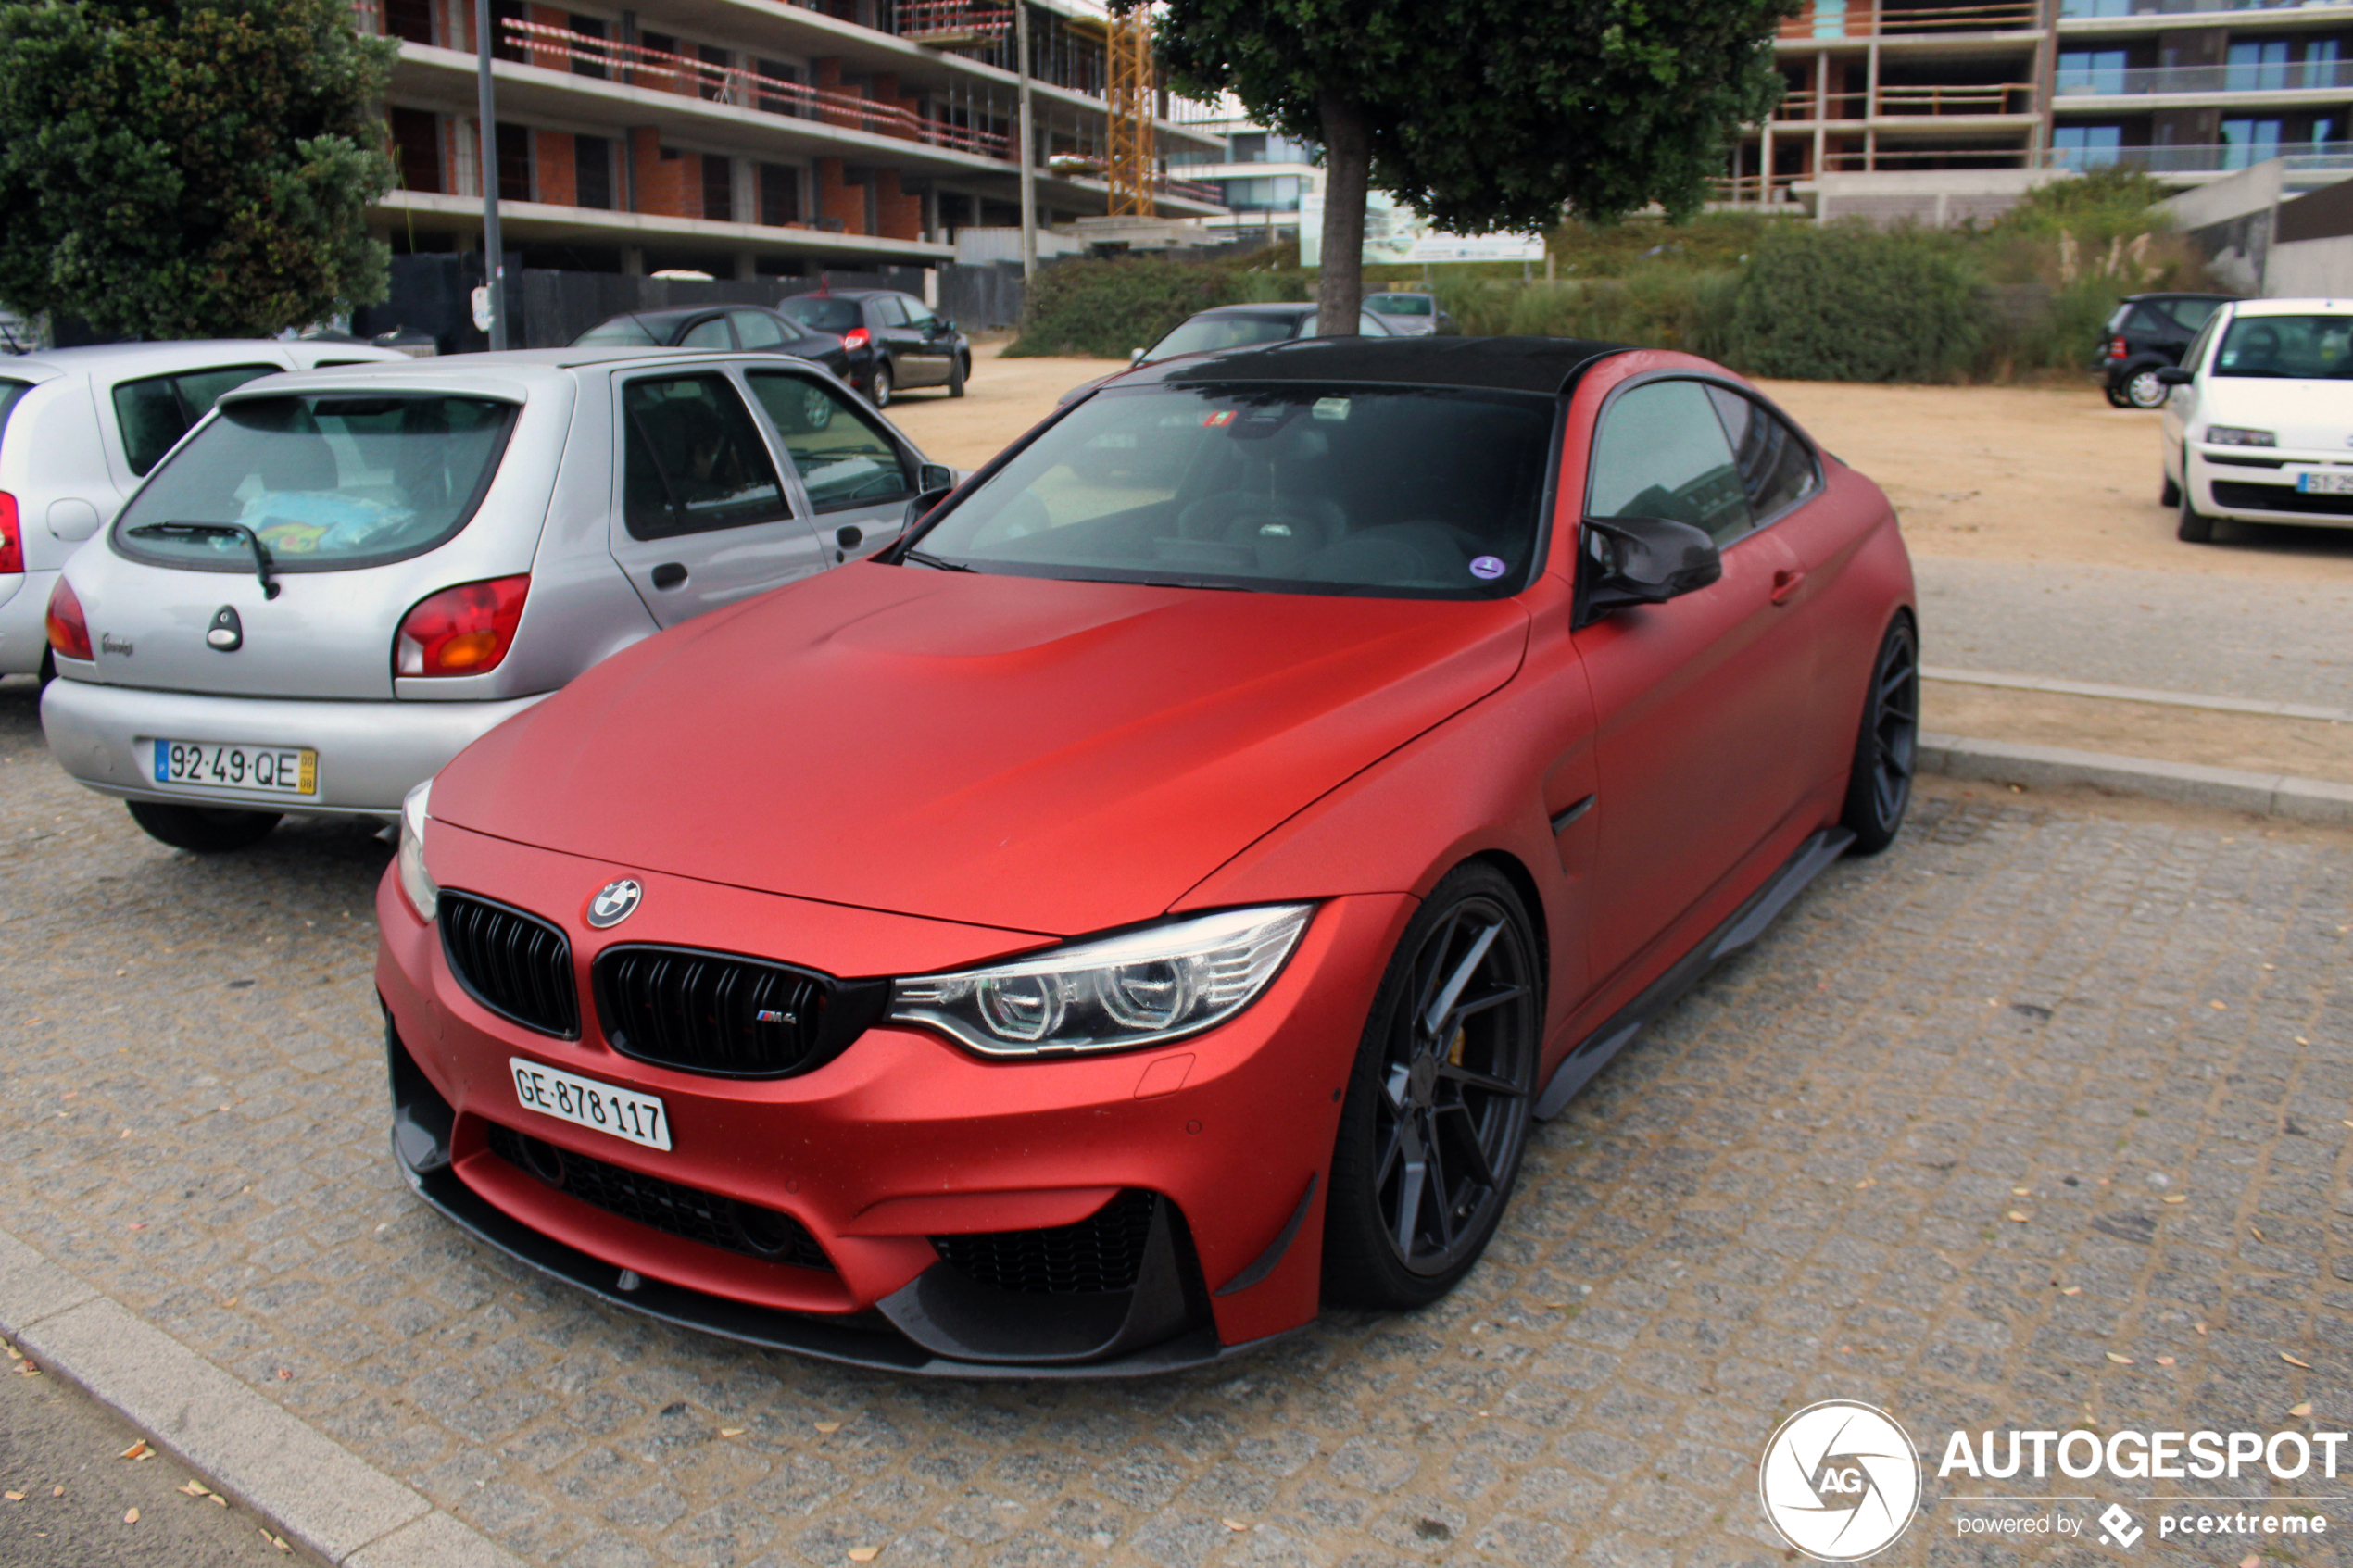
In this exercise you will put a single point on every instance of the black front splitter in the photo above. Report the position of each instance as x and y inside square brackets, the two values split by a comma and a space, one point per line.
[879, 1348]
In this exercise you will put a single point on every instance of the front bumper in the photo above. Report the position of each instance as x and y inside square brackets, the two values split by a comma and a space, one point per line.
[2257, 485]
[371, 754]
[900, 1139]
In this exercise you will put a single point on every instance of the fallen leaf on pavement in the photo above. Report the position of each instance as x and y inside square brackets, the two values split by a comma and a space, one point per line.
[829, 1426]
[2293, 1361]
[731, 1432]
[2304, 1409]
[136, 1450]
[2179, 1198]
[2219, 1007]
[864, 1553]
[2017, 1192]
[2200, 1327]
[2119, 1361]
[131, 1516]
[2255, 1231]
[13, 1496]
[1236, 1524]
[2018, 1214]
[2072, 1290]
[2165, 1360]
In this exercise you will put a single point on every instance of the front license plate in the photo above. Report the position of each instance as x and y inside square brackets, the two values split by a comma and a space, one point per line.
[273, 770]
[2325, 483]
[600, 1107]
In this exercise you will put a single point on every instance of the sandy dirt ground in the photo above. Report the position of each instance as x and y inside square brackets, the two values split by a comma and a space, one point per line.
[2025, 475]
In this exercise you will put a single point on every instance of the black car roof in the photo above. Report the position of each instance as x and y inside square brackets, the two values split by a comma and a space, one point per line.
[1548, 365]
[847, 294]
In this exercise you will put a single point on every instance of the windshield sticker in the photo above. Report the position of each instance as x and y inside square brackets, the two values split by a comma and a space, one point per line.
[1488, 568]
[1331, 408]
[1222, 417]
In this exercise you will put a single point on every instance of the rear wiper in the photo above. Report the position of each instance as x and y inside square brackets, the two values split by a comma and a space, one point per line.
[216, 530]
[920, 558]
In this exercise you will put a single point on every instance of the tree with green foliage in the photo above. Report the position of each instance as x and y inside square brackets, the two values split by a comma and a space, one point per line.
[190, 170]
[1485, 113]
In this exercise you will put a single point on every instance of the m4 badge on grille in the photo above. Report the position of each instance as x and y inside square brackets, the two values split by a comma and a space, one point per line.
[614, 902]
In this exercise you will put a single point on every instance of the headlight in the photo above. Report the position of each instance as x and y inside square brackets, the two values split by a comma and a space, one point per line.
[414, 882]
[2237, 435]
[1142, 988]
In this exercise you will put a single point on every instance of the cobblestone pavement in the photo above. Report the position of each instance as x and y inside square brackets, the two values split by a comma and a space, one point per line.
[1805, 1183]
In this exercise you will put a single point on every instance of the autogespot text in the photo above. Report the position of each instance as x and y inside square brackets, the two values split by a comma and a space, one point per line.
[2137, 1456]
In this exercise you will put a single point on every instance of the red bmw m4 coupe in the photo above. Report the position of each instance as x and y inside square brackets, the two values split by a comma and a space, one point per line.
[1156, 896]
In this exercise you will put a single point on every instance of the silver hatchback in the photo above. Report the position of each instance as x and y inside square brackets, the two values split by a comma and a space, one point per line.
[342, 578]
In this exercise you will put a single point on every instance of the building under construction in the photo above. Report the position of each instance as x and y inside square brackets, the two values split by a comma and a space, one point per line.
[749, 137]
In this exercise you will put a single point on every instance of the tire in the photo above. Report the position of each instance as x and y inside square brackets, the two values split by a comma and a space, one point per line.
[1463, 1092]
[2170, 494]
[2143, 390]
[959, 369]
[207, 830]
[879, 396]
[2195, 527]
[1879, 785]
[2116, 398]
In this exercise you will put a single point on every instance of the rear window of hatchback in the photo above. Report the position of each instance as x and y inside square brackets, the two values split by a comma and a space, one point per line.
[324, 482]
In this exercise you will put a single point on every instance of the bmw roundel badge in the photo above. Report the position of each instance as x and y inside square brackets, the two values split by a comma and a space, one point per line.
[614, 902]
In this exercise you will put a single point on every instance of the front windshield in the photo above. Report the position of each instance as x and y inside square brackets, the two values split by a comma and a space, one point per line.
[1203, 333]
[324, 481]
[1401, 304]
[2292, 347]
[623, 329]
[1394, 492]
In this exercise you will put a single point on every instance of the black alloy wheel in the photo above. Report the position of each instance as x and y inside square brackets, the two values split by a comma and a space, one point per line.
[2143, 390]
[206, 830]
[1438, 1108]
[1879, 789]
[880, 396]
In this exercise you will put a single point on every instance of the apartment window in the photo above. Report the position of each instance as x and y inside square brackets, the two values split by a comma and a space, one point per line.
[655, 74]
[503, 45]
[592, 171]
[2086, 146]
[408, 21]
[2090, 70]
[588, 27]
[2096, 7]
[416, 144]
[2257, 67]
[779, 194]
[713, 84]
[2249, 142]
[718, 188]
[775, 103]
[514, 163]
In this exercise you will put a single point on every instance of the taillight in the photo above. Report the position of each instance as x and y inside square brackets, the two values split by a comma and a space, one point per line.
[11, 536]
[2116, 349]
[460, 630]
[856, 338]
[69, 632]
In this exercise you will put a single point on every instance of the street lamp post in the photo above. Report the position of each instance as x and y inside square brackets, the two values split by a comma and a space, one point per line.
[494, 248]
[1028, 184]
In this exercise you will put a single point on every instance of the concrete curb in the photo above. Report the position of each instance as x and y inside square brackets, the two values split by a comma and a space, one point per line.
[2138, 694]
[2189, 783]
[313, 1491]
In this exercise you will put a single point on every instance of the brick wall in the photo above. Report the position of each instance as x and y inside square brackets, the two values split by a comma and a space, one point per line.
[548, 15]
[669, 182]
[899, 215]
[837, 198]
[553, 173]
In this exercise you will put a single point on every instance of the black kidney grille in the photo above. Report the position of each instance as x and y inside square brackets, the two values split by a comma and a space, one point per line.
[1104, 1251]
[668, 1207]
[711, 1012]
[515, 964]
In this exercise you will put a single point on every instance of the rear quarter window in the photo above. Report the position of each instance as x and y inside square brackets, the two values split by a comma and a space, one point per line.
[325, 482]
[155, 411]
[11, 394]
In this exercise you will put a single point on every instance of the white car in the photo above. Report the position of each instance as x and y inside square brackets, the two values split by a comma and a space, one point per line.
[2259, 427]
[78, 430]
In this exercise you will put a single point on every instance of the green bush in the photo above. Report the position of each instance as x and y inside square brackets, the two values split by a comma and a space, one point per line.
[1847, 302]
[1103, 308]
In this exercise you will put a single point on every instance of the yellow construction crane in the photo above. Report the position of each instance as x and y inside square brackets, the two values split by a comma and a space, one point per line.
[1129, 166]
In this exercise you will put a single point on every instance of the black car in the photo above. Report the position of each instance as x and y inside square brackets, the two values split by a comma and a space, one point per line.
[2147, 332]
[895, 340]
[1236, 326]
[749, 328]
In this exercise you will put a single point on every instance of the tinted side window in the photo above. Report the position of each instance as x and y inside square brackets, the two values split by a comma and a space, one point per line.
[918, 316]
[2193, 313]
[692, 460]
[1776, 469]
[2194, 355]
[890, 310]
[157, 411]
[709, 333]
[845, 460]
[1661, 452]
[757, 329]
[11, 392]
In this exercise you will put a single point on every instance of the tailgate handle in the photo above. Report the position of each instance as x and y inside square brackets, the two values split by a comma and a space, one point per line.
[668, 574]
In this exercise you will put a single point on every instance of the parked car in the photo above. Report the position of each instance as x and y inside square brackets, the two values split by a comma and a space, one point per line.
[1158, 898]
[1410, 315]
[2259, 422]
[2146, 333]
[750, 327]
[343, 578]
[81, 427]
[1233, 326]
[895, 340]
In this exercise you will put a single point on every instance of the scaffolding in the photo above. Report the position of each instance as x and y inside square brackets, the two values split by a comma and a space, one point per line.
[1129, 166]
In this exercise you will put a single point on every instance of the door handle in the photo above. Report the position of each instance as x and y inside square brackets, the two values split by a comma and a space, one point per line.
[668, 574]
[1786, 581]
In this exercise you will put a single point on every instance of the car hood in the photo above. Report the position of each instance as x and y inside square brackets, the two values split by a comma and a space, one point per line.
[2303, 414]
[1024, 753]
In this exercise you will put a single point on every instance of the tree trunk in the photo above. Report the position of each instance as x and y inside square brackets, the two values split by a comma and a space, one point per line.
[1348, 165]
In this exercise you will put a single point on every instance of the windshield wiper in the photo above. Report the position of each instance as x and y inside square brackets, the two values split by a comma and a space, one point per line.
[216, 530]
[921, 558]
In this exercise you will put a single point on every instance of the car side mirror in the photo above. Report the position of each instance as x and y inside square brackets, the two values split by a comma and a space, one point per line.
[1135, 356]
[935, 476]
[2173, 375]
[923, 505]
[1642, 560]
